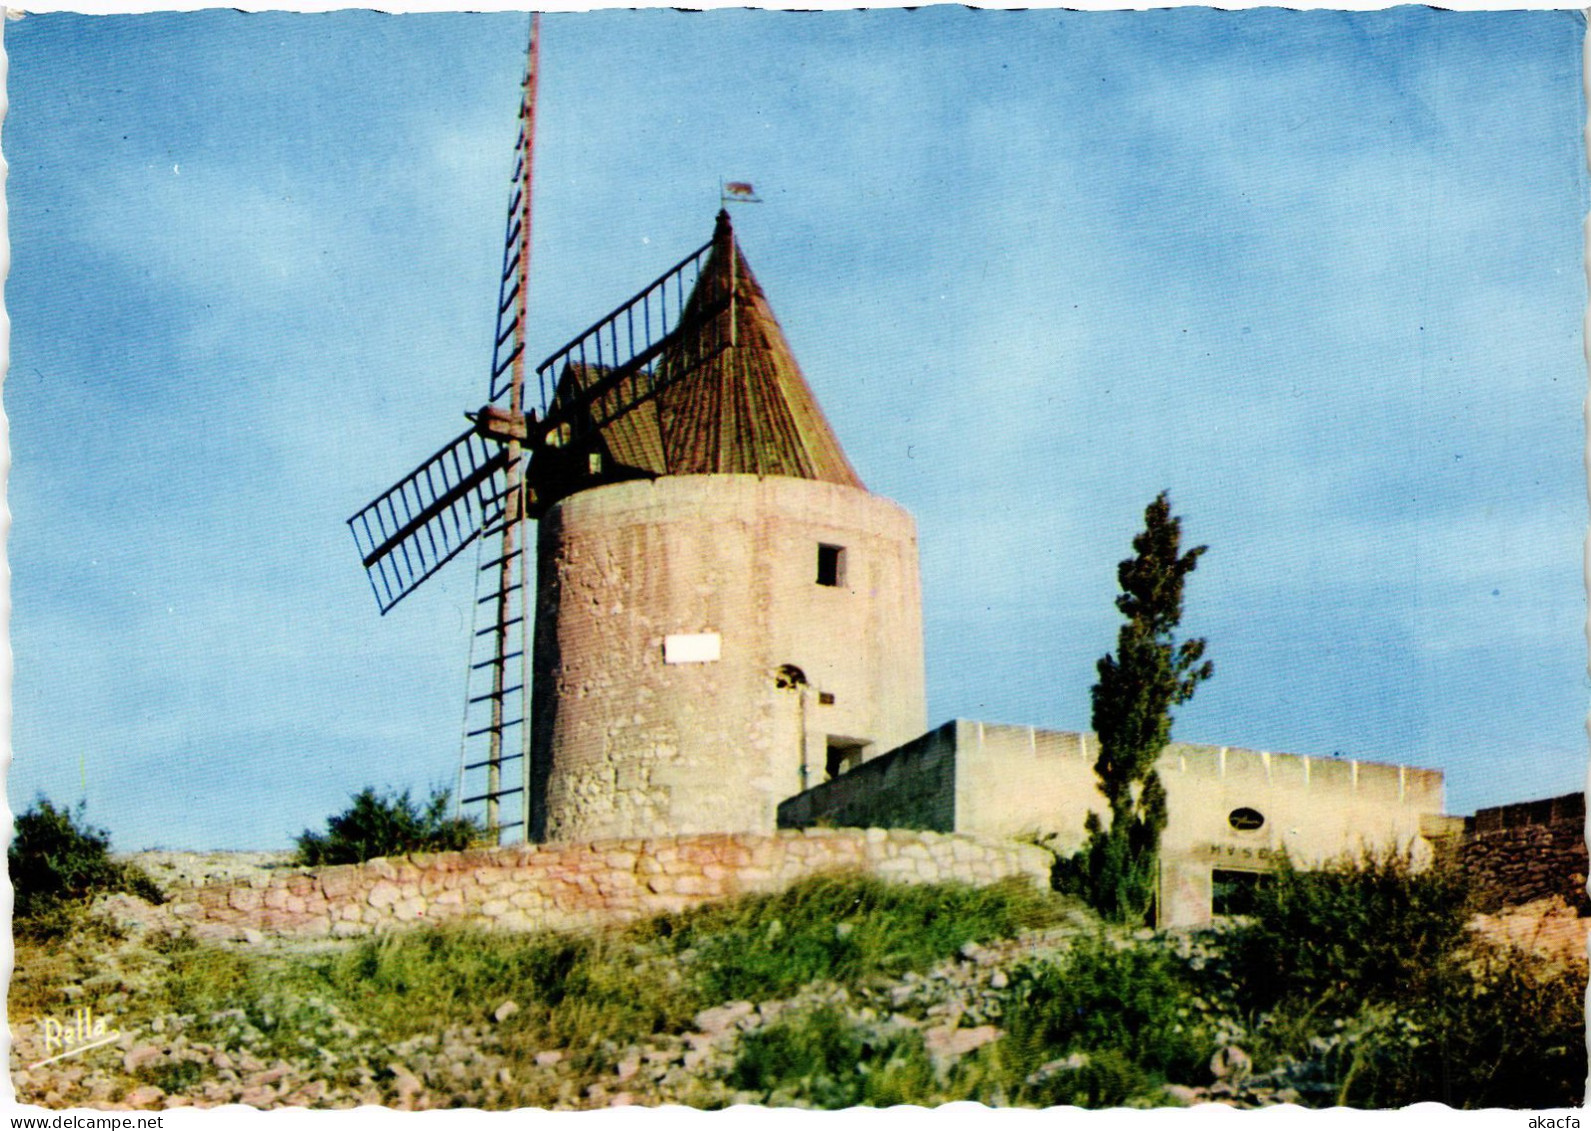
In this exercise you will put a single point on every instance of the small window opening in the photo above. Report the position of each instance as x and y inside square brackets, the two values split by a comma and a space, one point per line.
[844, 754]
[1232, 892]
[831, 565]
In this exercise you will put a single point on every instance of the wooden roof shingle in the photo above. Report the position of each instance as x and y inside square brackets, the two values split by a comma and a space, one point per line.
[733, 400]
[742, 405]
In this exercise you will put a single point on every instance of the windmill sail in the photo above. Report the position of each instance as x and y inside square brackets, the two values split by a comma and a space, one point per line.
[414, 528]
[592, 388]
[497, 702]
[508, 354]
[473, 489]
[625, 348]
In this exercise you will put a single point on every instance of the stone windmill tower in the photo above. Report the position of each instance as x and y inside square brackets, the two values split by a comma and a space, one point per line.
[724, 615]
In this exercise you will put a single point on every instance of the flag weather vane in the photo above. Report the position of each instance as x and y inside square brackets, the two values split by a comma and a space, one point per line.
[737, 192]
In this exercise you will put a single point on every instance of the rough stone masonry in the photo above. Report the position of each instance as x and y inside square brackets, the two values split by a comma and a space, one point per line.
[573, 886]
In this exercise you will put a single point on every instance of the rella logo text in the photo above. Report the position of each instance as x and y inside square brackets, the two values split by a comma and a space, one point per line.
[79, 1033]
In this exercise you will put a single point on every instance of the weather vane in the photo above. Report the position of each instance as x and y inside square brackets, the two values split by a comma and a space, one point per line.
[737, 192]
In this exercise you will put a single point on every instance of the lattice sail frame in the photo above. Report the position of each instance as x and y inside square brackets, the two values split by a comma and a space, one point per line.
[640, 348]
[422, 523]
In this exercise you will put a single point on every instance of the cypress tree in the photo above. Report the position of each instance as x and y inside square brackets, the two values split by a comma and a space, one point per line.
[1149, 674]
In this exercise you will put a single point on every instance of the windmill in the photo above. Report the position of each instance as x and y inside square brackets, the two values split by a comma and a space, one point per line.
[510, 465]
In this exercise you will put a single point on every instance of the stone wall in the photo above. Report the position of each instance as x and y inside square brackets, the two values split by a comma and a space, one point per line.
[1530, 851]
[572, 886]
[911, 787]
[1231, 809]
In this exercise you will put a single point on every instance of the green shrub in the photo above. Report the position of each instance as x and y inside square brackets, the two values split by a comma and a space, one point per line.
[278, 1006]
[203, 978]
[386, 825]
[844, 928]
[1498, 1027]
[594, 994]
[1102, 1079]
[1126, 1007]
[1372, 928]
[588, 993]
[1515, 1036]
[441, 975]
[822, 1059]
[1363, 985]
[57, 860]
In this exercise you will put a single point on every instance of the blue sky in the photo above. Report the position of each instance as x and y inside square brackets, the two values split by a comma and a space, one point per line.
[1319, 274]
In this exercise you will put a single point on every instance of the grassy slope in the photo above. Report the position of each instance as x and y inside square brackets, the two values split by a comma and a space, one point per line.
[857, 979]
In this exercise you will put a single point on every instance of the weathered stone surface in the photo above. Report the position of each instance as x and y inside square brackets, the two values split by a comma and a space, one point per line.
[720, 1018]
[1520, 854]
[406, 1083]
[278, 921]
[340, 882]
[944, 1043]
[1231, 1063]
[578, 885]
[257, 1096]
[141, 1057]
[145, 1095]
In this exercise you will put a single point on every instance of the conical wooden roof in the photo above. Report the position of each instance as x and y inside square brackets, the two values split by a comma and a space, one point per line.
[739, 404]
[732, 400]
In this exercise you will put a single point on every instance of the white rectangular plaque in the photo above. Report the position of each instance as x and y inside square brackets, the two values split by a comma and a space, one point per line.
[691, 648]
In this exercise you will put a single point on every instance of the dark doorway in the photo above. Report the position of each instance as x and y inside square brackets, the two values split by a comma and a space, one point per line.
[1232, 892]
[843, 754]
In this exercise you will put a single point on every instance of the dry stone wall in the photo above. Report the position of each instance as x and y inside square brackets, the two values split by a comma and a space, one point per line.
[572, 886]
[1534, 850]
